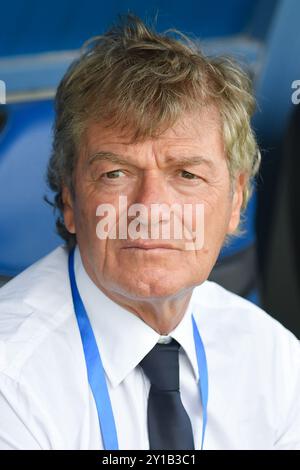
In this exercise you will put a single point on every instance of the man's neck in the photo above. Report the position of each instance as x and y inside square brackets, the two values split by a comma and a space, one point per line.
[161, 314]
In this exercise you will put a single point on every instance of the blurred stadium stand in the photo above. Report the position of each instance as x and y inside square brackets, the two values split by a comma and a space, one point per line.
[261, 34]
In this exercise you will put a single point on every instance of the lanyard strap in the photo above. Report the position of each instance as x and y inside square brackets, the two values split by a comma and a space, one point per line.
[94, 367]
[203, 376]
[96, 373]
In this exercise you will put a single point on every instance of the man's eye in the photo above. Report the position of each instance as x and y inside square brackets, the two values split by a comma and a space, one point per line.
[112, 174]
[187, 175]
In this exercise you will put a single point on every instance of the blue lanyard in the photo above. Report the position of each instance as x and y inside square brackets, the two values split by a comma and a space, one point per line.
[96, 373]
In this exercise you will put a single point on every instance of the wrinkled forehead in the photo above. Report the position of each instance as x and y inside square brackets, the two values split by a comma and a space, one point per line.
[202, 128]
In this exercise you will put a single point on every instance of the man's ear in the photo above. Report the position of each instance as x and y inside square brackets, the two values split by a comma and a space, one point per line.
[237, 201]
[68, 210]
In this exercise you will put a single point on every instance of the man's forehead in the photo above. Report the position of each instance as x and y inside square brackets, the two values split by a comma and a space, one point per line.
[189, 128]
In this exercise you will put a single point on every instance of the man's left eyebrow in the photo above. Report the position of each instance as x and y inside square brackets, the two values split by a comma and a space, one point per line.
[187, 161]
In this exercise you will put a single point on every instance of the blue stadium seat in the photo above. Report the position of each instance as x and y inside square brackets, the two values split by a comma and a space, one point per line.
[27, 227]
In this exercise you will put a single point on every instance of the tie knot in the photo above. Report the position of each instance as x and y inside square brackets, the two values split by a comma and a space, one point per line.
[161, 366]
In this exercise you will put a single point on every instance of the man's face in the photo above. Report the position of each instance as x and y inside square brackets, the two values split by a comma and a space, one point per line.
[184, 165]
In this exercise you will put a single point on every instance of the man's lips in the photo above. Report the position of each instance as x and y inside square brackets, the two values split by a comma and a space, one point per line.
[146, 245]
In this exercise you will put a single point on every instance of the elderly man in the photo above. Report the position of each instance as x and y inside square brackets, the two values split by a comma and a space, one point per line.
[116, 340]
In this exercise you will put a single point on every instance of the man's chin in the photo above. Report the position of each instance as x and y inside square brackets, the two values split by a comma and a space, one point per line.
[146, 288]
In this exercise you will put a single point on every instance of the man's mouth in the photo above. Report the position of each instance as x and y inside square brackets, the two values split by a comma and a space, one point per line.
[146, 245]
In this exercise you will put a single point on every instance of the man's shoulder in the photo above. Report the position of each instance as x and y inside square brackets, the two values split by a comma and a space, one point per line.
[222, 311]
[33, 304]
[215, 299]
[253, 358]
[48, 275]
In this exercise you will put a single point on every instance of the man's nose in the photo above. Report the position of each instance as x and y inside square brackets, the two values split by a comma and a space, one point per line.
[152, 200]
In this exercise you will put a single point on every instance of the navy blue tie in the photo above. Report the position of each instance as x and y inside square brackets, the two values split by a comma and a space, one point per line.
[169, 426]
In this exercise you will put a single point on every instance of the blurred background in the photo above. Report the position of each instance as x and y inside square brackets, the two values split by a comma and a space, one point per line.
[38, 40]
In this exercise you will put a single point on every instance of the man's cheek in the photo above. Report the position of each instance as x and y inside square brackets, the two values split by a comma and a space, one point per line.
[85, 220]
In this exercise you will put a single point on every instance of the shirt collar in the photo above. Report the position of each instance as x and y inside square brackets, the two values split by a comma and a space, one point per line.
[123, 338]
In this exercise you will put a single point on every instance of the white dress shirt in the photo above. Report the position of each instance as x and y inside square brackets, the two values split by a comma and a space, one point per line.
[45, 398]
